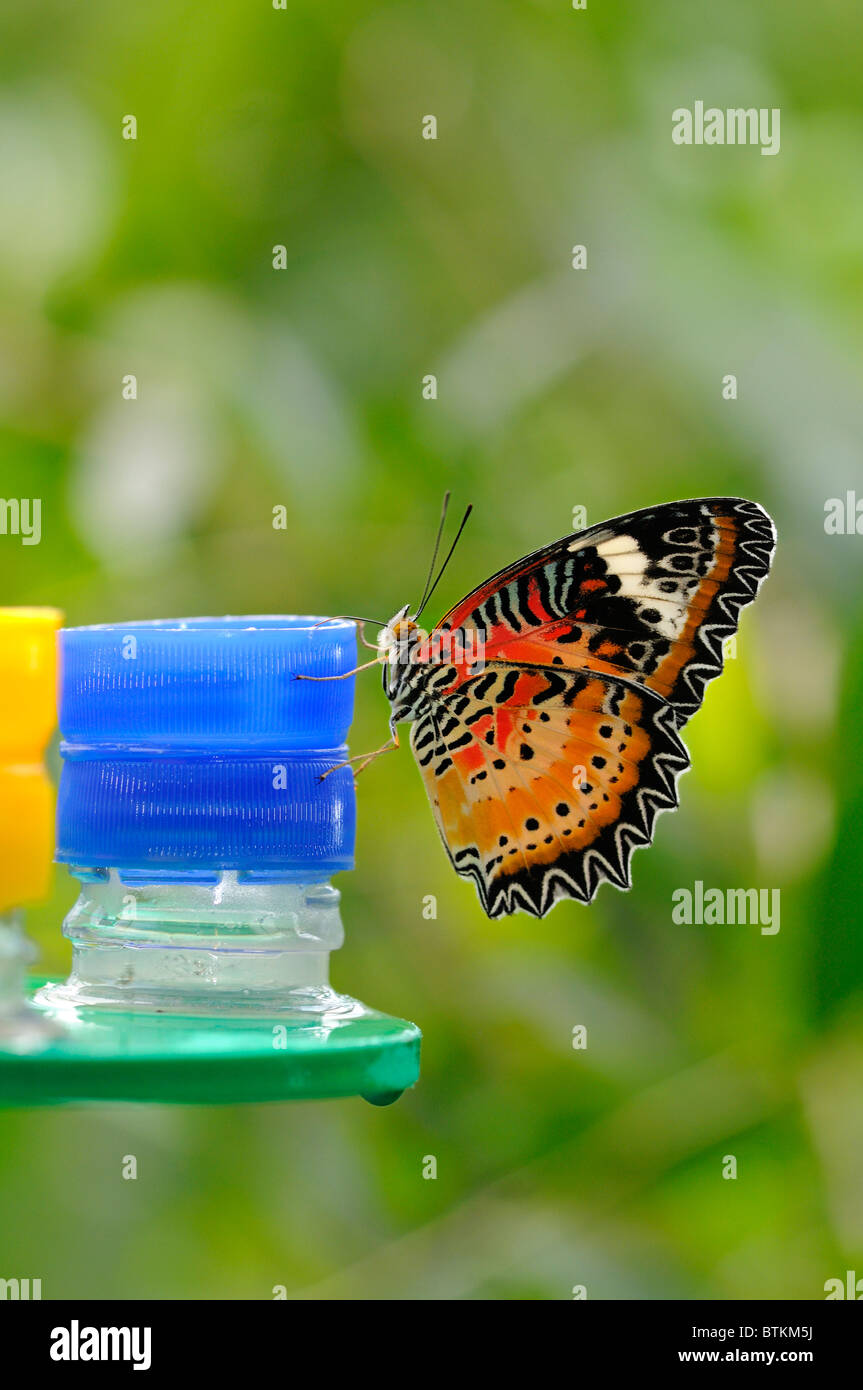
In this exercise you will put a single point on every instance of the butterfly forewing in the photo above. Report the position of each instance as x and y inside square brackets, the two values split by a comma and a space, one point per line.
[650, 596]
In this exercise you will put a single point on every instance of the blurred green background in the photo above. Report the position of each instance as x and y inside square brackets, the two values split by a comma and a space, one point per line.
[301, 387]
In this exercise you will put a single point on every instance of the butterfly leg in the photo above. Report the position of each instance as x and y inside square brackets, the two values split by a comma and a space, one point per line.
[343, 677]
[361, 629]
[388, 747]
[363, 759]
[361, 632]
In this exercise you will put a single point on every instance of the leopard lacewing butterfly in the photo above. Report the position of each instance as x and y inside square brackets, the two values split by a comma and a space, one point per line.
[547, 705]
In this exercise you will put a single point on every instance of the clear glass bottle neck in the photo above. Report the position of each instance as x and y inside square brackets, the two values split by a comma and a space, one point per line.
[226, 944]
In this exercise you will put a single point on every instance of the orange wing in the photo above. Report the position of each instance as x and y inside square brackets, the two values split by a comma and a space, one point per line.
[544, 781]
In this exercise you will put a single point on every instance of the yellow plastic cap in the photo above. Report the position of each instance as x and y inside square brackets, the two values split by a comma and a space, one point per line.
[28, 713]
[28, 681]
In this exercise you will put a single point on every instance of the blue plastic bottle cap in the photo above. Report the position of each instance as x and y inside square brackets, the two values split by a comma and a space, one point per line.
[202, 811]
[209, 681]
[191, 744]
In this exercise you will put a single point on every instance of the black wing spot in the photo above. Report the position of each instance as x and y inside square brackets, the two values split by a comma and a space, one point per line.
[479, 714]
[483, 685]
[507, 689]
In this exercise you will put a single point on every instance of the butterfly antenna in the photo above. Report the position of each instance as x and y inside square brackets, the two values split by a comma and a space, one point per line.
[427, 596]
[444, 508]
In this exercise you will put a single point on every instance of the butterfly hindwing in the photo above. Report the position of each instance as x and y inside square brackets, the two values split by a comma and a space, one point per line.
[649, 597]
[543, 781]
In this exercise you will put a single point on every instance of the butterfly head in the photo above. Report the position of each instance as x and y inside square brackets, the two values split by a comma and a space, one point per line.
[398, 645]
[400, 634]
[402, 643]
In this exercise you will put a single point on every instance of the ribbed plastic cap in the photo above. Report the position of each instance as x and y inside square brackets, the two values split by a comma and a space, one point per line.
[191, 744]
[268, 813]
[209, 681]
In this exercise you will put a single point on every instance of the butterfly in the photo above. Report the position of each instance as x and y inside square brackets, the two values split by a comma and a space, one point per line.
[547, 705]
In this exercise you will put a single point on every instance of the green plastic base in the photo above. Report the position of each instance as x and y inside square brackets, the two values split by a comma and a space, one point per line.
[101, 1055]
